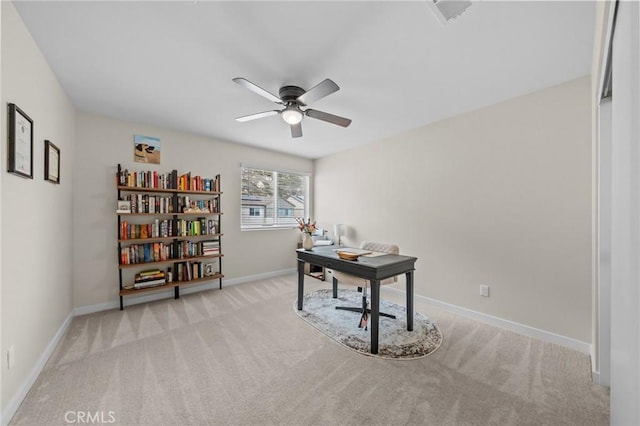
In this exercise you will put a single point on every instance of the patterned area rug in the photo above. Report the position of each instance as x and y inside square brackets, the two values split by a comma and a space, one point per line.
[394, 340]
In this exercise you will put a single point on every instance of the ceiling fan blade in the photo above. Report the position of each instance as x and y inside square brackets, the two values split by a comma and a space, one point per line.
[257, 115]
[319, 91]
[329, 118]
[257, 89]
[296, 130]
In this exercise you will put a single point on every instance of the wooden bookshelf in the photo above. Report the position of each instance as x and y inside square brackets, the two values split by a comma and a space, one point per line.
[155, 195]
[169, 285]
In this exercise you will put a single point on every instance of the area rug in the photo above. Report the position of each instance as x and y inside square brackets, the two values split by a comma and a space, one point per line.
[394, 341]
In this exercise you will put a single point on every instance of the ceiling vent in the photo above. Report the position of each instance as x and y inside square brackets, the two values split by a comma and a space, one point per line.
[446, 10]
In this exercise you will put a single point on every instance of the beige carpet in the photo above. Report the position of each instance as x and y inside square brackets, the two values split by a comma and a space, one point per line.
[241, 356]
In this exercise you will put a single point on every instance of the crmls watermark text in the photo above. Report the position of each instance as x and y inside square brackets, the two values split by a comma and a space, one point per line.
[90, 417]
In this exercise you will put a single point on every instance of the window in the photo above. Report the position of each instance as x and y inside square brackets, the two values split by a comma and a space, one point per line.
[272, 198]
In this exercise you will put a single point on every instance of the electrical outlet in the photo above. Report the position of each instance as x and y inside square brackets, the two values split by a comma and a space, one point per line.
[484, 290]
[11, 357]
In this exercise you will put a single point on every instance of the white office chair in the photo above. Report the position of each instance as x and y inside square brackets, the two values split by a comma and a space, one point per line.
[361, 283]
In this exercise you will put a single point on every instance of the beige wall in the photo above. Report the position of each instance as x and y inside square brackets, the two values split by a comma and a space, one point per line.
[36, 222]
[498, 196]
[105, 142]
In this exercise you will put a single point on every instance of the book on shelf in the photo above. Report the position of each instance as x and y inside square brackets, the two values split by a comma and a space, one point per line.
[146, 284]
[149, 275]
[149, 272]
[144, 279]
[210, 247]
[149, 278]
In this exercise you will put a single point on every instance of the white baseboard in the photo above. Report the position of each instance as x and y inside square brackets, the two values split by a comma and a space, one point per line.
[18, 397]
[526, 330]
[134, 300]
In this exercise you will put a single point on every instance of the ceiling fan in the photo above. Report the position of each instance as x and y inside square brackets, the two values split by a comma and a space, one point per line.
[293, 98]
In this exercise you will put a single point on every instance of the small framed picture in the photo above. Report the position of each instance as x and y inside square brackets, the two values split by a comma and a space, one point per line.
[124, 206]
[146, 149]
[209, 269]
[51, 162]
[20, 152]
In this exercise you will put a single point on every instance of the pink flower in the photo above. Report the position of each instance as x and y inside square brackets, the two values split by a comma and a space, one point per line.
[306, 226]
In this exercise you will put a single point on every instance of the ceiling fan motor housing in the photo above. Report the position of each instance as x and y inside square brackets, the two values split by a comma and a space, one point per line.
[290, 94]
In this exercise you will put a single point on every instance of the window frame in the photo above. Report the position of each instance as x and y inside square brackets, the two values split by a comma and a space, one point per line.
[256, 227]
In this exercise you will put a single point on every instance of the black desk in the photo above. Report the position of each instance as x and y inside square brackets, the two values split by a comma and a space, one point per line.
[374, 269]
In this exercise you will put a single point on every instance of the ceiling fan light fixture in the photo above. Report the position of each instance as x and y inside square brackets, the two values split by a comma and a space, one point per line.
[292, 115]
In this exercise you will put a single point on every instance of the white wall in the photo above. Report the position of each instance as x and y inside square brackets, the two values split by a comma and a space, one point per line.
[105, 142]
[625, 214]
[36, 217]
[499, 196]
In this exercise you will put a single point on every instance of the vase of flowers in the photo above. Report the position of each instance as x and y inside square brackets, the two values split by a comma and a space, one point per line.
[307, 228]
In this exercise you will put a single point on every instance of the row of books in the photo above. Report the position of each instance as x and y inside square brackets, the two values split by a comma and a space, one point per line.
[145, 203]
[148, 252]
[164, 228]
[159, 228]
[199, 248]
[188, 271]
[200, 226]
[159, 251]
[146, 179]
[186, 182]
[170, 180]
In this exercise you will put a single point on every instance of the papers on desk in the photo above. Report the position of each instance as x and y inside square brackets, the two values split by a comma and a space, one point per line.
[356, 251]
[360, 252]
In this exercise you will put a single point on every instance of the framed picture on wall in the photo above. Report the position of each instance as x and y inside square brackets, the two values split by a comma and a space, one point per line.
[146, 149]
[51, 162]
[20, 152]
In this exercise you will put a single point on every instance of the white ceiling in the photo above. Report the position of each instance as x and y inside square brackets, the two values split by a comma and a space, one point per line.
[398, 67]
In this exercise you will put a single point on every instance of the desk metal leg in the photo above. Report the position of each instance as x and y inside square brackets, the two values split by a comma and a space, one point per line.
[409, 276]
[375, 314]
[335, 288]
[300, 283]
